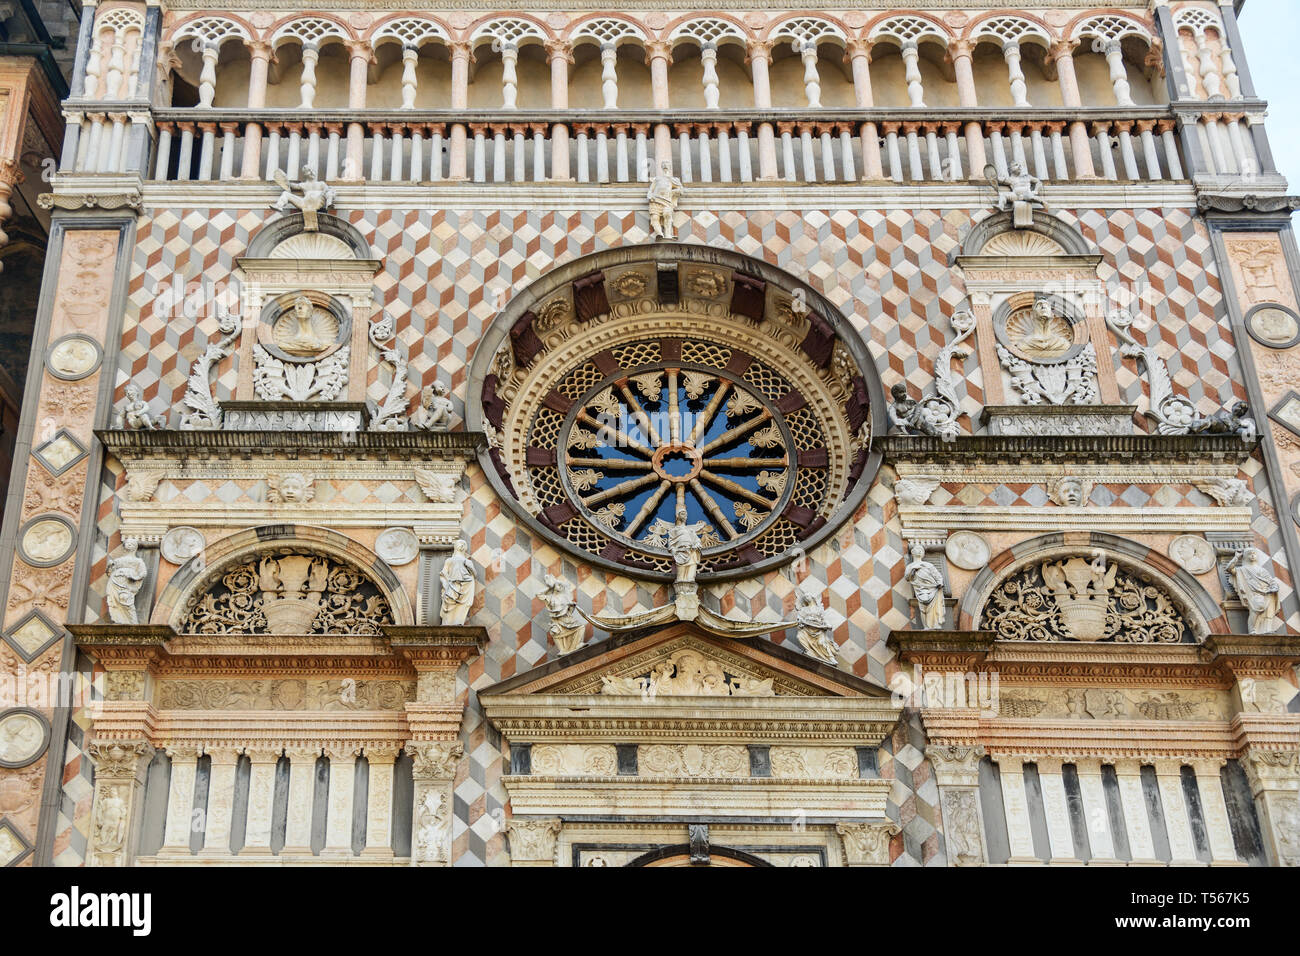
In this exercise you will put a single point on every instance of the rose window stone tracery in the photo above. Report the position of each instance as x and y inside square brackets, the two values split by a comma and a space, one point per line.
[612, 404]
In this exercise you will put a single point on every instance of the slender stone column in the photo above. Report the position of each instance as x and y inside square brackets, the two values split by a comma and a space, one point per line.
[1011, 769]
[1182, 849]
[660, 55]
[180, 801]
[120, 769]
[338, 814]
[1062, 55]
[1209, 784]
[1096, 817]
[302, 792]
[760, 58]
[433, 765]
[261, 798]
[560, 56]
[960, 52]
[360, 57]
[1015, 74]
[1274, 777]
[259, 71]
[859, 54]
[461, 57]
[221, 802]
[957, 772]
[1057, 811]
[379, 802]
[1136, 822]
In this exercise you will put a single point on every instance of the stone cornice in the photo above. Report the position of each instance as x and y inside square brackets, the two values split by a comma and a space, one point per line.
[168, 443]
[851, 721]
[1063, 448]
[168, 654]
[1217, 662]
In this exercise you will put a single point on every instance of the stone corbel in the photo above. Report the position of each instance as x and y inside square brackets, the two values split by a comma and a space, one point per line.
[533, 842]
[118, 806]
[867, 844]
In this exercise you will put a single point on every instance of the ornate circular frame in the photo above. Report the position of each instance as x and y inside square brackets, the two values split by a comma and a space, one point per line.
[1270, 343]
[714, 325]
[45, 739]
[1059, 307]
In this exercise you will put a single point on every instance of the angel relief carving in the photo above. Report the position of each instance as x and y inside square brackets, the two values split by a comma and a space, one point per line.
[289, 591]
[1082, 599]
[687, 673]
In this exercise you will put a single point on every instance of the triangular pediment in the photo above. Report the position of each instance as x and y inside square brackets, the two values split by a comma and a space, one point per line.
[682, 661]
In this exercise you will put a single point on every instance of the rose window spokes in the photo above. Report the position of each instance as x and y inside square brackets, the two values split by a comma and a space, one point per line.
[640, 449]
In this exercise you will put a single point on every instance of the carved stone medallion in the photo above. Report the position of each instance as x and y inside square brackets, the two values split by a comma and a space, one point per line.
[73, 357]
[397, 546]
[967, 550]
[47, 541]
[181, 544]
[1193, 554]
[24, 735]
[1274, 326]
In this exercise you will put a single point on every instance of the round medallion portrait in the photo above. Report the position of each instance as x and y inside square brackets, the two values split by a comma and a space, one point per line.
[1041, 329]
[24, 735]
[1274, 326]
[181, 544]
[47, 541]
[73, 357]
[303, 327]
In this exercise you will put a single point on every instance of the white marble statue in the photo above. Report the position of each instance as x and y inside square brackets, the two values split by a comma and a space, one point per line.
[457, 580]
[567, 628]
[686, 548]
[125, 578]
[1019, 192]
[927, 586]
[1257, 586]
[664, 194]
[316, 195]
[814, 632]
[434, 411]
[135, 415]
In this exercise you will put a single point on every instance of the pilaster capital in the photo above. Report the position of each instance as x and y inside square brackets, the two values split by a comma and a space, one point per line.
[1271, 769]
[120, 759]
[533, 840]
[955, 765]
[381, 754]
[263, 754]
[435, 759]
[867, 844]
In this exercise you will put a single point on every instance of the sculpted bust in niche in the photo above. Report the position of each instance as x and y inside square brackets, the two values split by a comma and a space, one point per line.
[305, 330]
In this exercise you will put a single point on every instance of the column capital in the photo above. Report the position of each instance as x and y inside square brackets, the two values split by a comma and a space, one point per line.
[260, 50]
[360, 50]
[222, 756]
[119, 759]
[435, 759]
[659, 50]
[264, 753]
[758, 50]
[858, 47]
[955, 764]
[461, 50]
[866, 844]
[1271, 769]
[1061, 49]
[533, 841]
[558, 50]
[381, 753]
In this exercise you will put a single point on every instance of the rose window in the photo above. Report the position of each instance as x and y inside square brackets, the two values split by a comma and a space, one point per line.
[602, 427]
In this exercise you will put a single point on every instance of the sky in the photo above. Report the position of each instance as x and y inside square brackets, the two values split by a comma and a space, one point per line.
[1269, 31]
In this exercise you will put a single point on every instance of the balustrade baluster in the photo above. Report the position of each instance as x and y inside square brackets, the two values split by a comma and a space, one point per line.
[916, 170]
[1058, 151]
[227, 172]
[520, 156]
[539, 155]
[620, 155]
[273, 153]
[999, 150]
[399, 150]
[934, 157]
[724, 154]
[480, 153]
[1126, 153]
[808, 159]
[417, 154]
[1170, 140]
[313, 149]
[684, 171]
[891, 150]
[848, 169]
[164, 152]
[294, 162]
[1040, 153]
[602, 155]
[435, 154]
[333, 144]
[706, 156]
[955, 172]
[183, 171]
[787, 152]
[1102, 132]
[746, 161]
[643, 169]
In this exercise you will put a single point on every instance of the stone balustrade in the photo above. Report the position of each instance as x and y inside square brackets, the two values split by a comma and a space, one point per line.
[903, 146]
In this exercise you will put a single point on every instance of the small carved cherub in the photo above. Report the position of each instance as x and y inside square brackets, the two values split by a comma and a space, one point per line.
[135, 416]
[435, 409]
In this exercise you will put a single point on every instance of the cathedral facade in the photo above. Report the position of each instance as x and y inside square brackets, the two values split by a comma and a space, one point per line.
[672, 436]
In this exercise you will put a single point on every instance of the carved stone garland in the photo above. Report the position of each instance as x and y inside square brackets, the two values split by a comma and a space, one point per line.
[1081, 599]
[290, 591]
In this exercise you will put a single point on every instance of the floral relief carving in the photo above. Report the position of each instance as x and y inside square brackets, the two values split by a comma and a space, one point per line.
[290, 591]
[692, 760]
[284, 694]
[1082, 600]
[574, 759]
